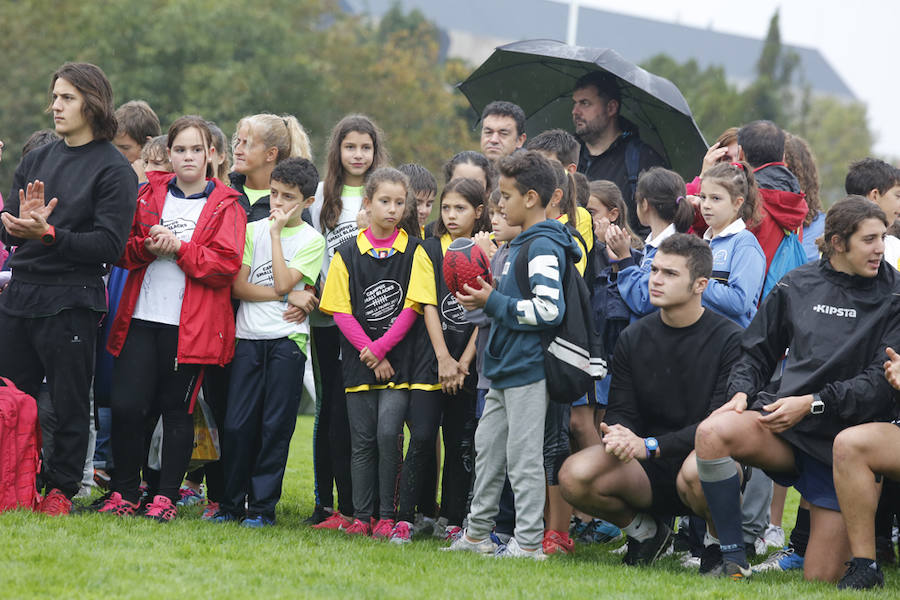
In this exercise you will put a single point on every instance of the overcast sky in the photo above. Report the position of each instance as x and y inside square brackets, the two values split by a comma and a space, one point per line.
[859, 40]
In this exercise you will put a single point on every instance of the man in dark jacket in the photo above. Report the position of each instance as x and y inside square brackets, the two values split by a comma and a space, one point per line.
[670, 371]
[836, 316]
[606, 139]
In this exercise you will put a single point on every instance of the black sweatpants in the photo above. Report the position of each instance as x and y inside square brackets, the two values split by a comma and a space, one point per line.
[263, 400]
[423, 416]
[331, 435]
[145, 380]
[60, 347]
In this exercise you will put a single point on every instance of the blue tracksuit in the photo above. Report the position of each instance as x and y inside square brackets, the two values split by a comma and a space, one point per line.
[739, 268]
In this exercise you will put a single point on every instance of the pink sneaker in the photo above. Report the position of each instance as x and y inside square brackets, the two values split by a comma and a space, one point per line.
[55, 503]
[161, 509]
[117, 505]
[211, 509]
[383, 529]
[402, 533]
[356, 528]
[335, 521]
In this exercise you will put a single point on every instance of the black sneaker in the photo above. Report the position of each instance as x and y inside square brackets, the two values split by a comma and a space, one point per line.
[735, 571]
[319, 514]
[93, 506]
[862, 574]
[711, 563]
[648, 551]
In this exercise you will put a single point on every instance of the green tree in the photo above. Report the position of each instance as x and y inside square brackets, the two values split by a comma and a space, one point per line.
[837, 131]
[224, 59]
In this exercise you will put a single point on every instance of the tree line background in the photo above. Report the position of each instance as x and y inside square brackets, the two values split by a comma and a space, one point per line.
[224, 59]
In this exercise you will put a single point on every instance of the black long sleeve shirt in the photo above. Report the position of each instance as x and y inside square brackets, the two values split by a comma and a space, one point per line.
[97, 191]
[665, 380]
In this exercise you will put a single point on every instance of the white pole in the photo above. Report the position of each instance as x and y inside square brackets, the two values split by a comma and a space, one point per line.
[572, 32]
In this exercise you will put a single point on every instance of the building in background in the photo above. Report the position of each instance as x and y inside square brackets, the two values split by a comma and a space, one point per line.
[473, 28]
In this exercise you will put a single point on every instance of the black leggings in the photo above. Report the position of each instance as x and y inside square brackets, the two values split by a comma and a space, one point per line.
[416, 481]
[331, 434]
[145, 380]
[458, 426]
[215, 392]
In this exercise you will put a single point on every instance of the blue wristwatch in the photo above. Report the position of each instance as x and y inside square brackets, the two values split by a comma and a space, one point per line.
[652, 446]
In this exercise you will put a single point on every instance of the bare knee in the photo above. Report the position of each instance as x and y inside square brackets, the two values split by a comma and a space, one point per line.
[850, 444]
[576, 475]
[688, 485]
[715, 434]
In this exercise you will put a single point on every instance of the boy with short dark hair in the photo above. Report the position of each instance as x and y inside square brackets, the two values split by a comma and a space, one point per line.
[512, 425]
[558, 144]
[424, 188]
[282, 256]
[879, 182]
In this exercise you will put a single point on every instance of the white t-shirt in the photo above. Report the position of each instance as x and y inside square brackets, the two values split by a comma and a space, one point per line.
[163, 287]
[892, 251]
[303, 248]
[345, 230]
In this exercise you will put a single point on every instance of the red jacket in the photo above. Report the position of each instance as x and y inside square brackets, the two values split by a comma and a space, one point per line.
[781, 211]
[210, 262]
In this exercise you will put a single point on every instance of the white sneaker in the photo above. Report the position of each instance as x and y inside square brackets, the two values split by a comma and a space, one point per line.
[463, 544]
[773, 537]
[688, 560]
[514, 550]
[760, 547]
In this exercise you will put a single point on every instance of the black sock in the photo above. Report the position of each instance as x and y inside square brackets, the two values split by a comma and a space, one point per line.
[800, 533]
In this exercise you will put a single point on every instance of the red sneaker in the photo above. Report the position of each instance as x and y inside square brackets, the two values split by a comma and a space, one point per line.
[357, 528]
[117, 505]
[557, 542]
[55, 503]
[335, 521]
[383, 529]
[161, 509]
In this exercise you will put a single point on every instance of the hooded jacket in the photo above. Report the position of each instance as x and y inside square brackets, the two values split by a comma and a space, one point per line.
[783, 207]
[256, 211]
[514, 355]
[210, 262]
[837, 327]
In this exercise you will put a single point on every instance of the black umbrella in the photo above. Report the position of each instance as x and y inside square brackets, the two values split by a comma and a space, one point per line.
[539, 75]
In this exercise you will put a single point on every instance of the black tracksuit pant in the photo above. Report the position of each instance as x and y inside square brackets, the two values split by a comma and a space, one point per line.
[60, 347]
[263, 400]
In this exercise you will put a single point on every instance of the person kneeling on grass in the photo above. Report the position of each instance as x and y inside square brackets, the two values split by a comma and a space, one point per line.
[656, 401]
[836, 316]
[862, 456]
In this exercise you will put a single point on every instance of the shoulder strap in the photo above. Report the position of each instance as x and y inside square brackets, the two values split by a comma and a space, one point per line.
[633, 161]
[521, 269]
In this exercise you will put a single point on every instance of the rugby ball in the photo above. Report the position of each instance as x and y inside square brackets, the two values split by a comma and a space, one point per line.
[464, 262]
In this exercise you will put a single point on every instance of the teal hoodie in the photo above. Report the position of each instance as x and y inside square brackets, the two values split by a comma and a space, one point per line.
[514, 356]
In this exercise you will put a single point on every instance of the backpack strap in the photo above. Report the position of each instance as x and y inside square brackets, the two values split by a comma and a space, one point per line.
[632, 162]
[521, 270]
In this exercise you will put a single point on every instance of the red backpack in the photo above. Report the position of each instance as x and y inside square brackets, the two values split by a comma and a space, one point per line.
[20, 443]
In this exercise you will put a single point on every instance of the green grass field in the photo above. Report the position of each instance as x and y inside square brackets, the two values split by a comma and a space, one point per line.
[93, 556]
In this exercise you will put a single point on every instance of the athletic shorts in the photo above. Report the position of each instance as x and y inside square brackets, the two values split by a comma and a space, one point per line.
[662, 474]
[556, 439]
[813, 480]
[599, 396]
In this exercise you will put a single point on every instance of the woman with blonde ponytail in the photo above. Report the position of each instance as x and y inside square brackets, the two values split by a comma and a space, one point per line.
[260, 142]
